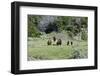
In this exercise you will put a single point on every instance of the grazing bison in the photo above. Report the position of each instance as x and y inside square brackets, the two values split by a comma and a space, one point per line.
[54, 38]
[67, 42]
[59, 42]
[71, 43]
[49, 42]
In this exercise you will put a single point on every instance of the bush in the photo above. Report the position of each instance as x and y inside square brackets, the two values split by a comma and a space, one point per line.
[75, 55]
[70, 34]
[84, 35]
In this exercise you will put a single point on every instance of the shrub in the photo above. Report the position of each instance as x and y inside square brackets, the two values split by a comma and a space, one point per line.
[84, 35]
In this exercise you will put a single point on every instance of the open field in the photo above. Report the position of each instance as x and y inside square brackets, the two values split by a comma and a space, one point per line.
[39, 50]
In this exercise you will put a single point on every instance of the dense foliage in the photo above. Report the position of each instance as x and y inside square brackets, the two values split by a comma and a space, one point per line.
[70, 24]
[32, 26]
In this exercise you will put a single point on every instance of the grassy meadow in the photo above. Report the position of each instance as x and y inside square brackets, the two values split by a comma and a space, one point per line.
[39, 50]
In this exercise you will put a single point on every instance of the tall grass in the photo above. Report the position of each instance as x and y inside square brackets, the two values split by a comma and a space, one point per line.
[39, 50]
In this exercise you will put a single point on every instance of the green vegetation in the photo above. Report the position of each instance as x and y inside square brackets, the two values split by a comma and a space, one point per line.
[67, 28]
[39, 50]
[32, 26]
[72, 25]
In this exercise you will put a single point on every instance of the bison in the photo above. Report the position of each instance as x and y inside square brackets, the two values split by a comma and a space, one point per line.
[49, 42]
[71, 43]
[54, 38]
[59, 42]
[67, 42]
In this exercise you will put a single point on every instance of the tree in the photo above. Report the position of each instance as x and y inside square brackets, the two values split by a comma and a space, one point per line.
[32, 26]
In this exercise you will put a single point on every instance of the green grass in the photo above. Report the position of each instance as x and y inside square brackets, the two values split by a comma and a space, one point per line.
[39, 50]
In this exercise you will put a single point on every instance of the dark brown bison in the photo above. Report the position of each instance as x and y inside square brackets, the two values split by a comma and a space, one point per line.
[59, 42]
[54, 38]
[49, 42]
[71, 43]
[67, 42]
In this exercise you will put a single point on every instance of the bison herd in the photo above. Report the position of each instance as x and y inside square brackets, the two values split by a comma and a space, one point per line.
[55, 41]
